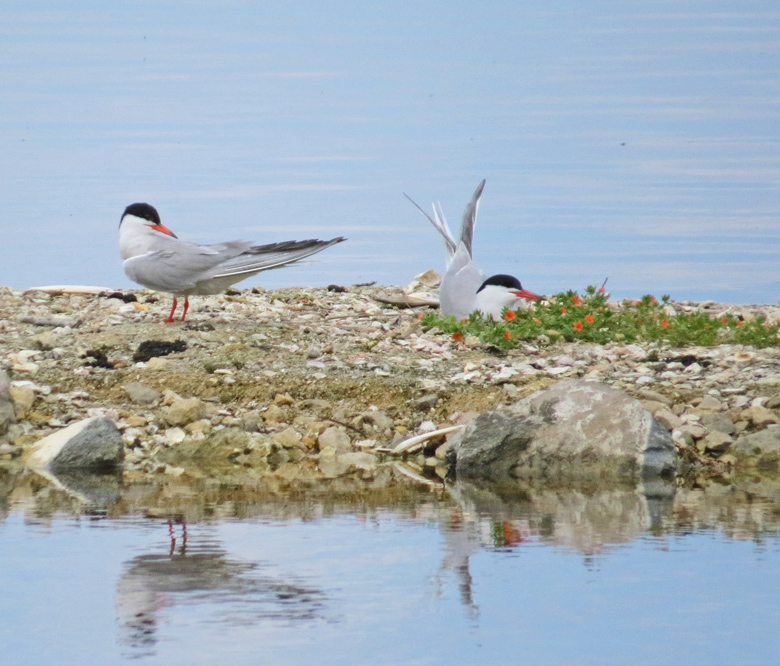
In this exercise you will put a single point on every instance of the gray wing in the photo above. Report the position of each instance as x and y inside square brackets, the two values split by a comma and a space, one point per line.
[458, 292]
[470, 219]
[177, 267]
[273, 255]
[440, 224]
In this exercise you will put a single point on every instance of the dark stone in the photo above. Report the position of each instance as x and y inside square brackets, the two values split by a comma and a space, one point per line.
[126, 297]
[97, 448]
[99, 360]
[149, 348]
[688, 359]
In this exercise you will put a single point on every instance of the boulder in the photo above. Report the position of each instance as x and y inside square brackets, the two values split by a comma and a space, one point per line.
[91, 445]
[574, 429]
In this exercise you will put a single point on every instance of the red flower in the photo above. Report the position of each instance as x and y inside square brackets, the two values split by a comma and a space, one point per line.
[653, 299]
[578, 326]
[510, 315]
[602, 289]
[740, 323]
[576, 300]
[507, 335]
[724, 320]
[420, 316]
[457, 336]
[664, 323]
[536, 321]
[564, 311]
[589, 319]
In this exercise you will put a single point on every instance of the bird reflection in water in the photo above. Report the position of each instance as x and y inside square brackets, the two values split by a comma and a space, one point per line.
[152, 586]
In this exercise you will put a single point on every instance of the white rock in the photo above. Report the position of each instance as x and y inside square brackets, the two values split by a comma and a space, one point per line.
[174, 436]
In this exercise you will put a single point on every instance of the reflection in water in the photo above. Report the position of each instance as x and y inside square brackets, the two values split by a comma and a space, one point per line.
[508, 515]
[202, 573]
[360, 590]
[194, 573]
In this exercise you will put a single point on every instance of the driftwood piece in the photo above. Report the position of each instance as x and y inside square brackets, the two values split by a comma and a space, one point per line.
[407, 300]
[59, 289]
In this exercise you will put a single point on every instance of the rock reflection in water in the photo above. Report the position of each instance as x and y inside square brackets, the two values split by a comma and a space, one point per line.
[202, 573]
[508, 514]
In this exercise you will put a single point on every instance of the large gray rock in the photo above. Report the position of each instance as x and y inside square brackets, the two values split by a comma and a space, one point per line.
[91, 445]
[7, 416]
[572, 430]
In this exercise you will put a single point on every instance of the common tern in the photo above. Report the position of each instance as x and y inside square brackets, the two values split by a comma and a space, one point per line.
[156, 258]
[464, 288]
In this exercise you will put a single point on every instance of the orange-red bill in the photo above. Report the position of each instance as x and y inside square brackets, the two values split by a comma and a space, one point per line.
[163, 229]
[524, 293]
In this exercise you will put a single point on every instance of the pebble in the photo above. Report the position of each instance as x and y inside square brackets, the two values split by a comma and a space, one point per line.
[158, 363]
[718, 422]
[174, 436]
[667, 419]
[140, 394]
[275, 414]
[428, 402]
[23, 396]
[717, 442]
[759, 416]
[710, 403]
[184, 411]
[334, 438]
[288, 438]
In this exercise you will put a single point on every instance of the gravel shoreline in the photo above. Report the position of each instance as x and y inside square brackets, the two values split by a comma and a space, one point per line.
[311, 382]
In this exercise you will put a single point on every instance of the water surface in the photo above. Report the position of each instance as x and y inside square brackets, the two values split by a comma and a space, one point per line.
[174, 575]
[635, 141]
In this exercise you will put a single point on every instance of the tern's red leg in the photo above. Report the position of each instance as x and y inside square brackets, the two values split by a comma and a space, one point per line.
[173, 309]
[186, 307]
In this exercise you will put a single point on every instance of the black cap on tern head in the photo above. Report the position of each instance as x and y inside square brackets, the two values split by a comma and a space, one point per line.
[144, 211]
[500, 280]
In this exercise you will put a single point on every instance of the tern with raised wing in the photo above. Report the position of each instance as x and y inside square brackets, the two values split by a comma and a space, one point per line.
[157, 259]
[464, 288]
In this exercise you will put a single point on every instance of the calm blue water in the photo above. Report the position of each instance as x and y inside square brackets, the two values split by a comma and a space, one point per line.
[382, 587]
[636, 141]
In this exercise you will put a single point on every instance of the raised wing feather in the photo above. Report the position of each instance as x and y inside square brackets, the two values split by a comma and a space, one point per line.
[440, 224]
[470, 219]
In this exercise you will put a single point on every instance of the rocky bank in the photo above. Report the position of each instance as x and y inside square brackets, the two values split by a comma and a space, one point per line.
[306, 383]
